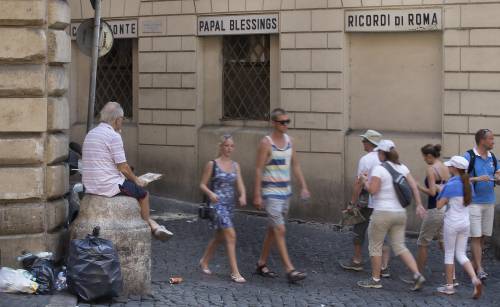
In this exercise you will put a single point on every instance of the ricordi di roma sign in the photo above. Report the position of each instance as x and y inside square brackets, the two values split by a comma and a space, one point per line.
[393, 20]
[238, 24]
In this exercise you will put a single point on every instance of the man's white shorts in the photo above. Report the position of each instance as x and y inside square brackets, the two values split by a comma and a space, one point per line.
[481, 219]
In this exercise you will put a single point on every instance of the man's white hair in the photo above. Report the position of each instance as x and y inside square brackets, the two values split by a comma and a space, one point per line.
[111, 112]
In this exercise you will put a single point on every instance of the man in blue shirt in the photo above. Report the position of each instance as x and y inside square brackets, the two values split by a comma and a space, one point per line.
[483, 172]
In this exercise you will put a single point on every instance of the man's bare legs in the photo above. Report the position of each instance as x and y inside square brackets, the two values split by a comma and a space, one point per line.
[144, 205]
[276, 235]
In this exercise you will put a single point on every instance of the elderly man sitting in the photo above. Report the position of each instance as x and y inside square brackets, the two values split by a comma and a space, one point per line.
[105, 170]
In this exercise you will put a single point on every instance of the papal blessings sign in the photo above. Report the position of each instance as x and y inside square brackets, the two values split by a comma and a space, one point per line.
[238, 24]
[393, 20]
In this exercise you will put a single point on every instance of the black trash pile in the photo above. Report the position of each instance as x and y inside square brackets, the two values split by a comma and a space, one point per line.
[92, 271]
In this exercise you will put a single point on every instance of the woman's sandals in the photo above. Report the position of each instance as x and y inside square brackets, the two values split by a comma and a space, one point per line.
[264, 271]
[293, 276]
[161, 233]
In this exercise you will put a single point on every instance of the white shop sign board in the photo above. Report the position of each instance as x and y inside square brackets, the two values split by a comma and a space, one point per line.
[120, 28]
[238, 24]
[393, 20]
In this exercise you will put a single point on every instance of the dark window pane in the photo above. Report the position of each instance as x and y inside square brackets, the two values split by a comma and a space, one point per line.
[114, 77]
[246, 77]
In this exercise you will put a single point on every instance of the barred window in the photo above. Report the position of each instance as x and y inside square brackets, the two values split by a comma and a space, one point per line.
[114, 77]
[246, 77]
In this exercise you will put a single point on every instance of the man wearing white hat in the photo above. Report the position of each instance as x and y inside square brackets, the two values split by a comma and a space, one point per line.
[361, 199]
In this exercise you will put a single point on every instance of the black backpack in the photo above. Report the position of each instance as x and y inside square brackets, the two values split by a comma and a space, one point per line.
[401, 185]
[471, 171]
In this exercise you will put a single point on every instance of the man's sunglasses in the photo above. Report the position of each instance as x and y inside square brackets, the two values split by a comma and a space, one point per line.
[283, 122]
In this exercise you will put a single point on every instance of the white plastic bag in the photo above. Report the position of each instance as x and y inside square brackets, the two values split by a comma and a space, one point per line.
[17, 281]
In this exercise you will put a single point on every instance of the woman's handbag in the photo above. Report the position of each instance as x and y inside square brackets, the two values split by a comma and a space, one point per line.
[205, 210]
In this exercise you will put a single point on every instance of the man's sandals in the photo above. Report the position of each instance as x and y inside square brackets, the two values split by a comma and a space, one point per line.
[264, 271]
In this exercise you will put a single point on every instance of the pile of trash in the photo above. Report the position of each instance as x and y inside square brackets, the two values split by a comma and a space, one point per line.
[38, 276]
[92, 271]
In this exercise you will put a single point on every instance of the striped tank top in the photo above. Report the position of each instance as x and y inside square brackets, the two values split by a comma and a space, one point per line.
[276, 176]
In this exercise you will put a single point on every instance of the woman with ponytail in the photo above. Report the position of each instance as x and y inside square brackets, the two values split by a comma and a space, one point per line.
[221, 180]
[436, 175]
[457, 195]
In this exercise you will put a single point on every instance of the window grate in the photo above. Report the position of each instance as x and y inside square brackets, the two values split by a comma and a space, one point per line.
[246, 77]
[114, 77]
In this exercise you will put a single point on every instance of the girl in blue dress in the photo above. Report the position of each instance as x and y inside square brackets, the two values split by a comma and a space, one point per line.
[221, 190]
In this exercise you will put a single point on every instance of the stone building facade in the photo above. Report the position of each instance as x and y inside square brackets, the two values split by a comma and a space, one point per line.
[34, 121]
[417, 86]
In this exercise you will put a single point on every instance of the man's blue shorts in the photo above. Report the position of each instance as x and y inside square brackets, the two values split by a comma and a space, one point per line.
[130, 188]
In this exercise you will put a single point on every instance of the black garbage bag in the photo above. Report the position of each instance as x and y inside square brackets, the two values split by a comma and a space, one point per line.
[93, 268]
[43, 271]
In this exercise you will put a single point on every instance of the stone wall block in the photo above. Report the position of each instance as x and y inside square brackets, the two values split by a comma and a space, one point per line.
[328, 20]
[327, 60]
[59, 47]
[24, 45]
[480, 103]
[181, 62]
[301, 139]
[27, 12]
[23, 114]
[310, 121]
[326, 101]
[480, 59]
[327, 141]
[335, 121]
[21, 150]
[169, 43]
[76, 9]
[455, 124]
[481, 16]
[203, 6]
[311, 80]
[271, 4]
[22, 80]
[57, 148]
[22, 218]
[236, 5]
[451, 145]
[183, 136]
[296, 100]
[153, 134]
[295, 21]
[181, 25]
[181, 99]
[152, 98]
[131, 7]
[188, 7]
[57, 113]
[56, 181]
[57, 80]
[295, 60]
[152, 62]
[311, 4]
[55, 213]
[13, 246]
[167, 80]
[485, 37]
[167, 117]
[152, 26]
[485, 81]
[59, 14]
[451, 16]
[21, 182]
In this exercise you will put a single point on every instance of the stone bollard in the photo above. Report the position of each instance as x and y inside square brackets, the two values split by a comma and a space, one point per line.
[496, 232]
[120, 221]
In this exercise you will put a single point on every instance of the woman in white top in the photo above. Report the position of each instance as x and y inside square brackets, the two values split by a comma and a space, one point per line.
[389, 216]
[457, 195]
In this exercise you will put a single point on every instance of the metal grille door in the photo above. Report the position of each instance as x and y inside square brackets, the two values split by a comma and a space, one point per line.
[246, 77]
[114, 77]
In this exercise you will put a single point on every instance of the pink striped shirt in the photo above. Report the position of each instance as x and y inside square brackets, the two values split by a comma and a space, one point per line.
[102, 151]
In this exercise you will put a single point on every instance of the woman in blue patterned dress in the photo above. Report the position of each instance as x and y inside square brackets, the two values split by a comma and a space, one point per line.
[222, 194]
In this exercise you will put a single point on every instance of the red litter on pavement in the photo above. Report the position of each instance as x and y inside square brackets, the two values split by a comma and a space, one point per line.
[175, 280]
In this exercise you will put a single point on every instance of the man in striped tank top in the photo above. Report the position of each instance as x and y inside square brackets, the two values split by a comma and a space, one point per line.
[275, 158]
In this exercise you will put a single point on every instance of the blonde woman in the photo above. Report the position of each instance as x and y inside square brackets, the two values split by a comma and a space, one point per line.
[222, 194]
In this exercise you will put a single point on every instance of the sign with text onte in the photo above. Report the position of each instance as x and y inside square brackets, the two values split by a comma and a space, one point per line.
[238, 24]
[393, 20]
[120, 28]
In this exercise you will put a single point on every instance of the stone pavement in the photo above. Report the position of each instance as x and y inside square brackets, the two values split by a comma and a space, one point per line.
[316, 248]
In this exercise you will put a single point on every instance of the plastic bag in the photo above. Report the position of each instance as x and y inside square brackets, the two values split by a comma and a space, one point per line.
[93, 268]
[43, 271]
[17, 281]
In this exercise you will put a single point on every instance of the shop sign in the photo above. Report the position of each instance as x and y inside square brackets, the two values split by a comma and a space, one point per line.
[238, 24]
[393, 20]
[120, 28]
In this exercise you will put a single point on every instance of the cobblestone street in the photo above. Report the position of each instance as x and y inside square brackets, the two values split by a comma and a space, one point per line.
[315, 248]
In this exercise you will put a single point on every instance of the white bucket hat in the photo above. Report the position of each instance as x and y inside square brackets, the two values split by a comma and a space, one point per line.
[458, 162]
[372, 136]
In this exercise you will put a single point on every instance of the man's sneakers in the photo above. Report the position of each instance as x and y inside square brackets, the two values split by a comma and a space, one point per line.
[370, 283]
[385, 273]
[482, 275]
[351, 265]
[446, 289]
[418, 282]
